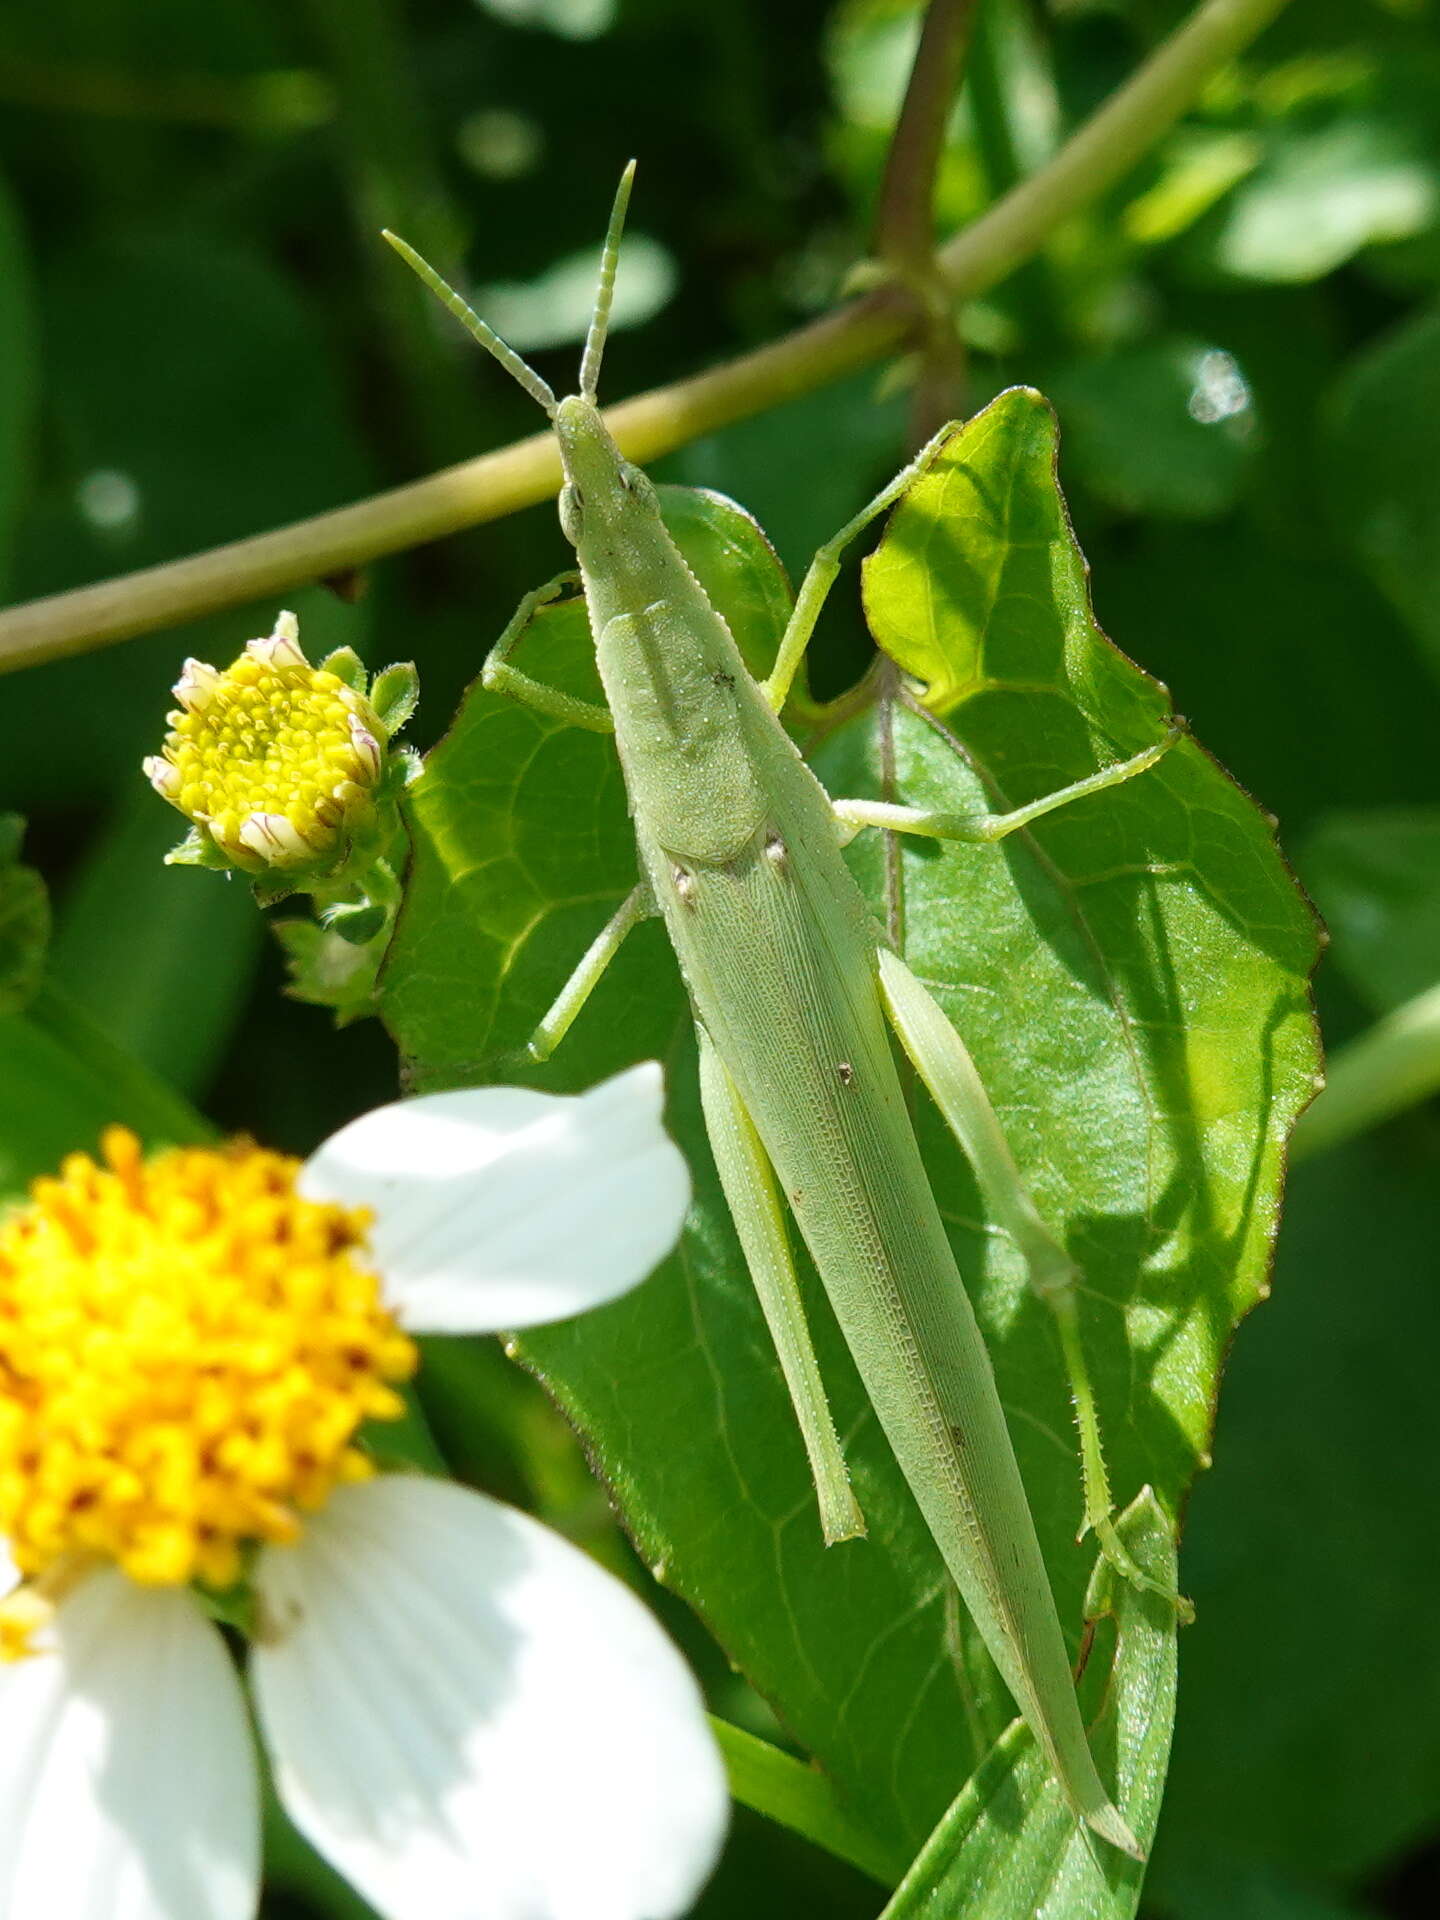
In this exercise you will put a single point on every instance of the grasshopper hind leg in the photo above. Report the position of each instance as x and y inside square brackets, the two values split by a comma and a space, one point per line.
[943, 1062]
[753, 1197]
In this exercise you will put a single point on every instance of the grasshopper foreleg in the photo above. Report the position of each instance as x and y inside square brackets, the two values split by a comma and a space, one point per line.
[943, 1062]
[820, 576]
[753, 1197]
[498, 674]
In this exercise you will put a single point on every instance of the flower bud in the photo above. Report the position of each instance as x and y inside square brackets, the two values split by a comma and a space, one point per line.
[277, 764]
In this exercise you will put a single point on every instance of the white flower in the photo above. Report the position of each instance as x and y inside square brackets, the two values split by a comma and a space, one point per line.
[464, 1714]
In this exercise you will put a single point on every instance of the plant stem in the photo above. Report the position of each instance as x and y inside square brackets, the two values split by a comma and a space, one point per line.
[517, 476]
[905, 214]
[1393, 1066]
[475, 491]
[1114, 137]
[801, 1798]
[905, 211]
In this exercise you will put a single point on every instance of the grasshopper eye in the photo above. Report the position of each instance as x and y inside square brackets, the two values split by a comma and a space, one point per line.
[637, 483]
[572, 514]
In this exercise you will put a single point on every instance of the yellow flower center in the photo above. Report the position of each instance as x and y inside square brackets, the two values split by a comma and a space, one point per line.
[187, 1348]
[274, 757]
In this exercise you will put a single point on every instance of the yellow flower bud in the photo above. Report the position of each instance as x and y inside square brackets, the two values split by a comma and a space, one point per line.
[275, 762]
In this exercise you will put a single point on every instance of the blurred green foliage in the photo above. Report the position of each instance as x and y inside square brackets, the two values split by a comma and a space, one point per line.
[200, 338]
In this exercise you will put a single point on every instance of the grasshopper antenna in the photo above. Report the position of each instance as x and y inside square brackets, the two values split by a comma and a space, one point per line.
[605, 291]
[517, 368]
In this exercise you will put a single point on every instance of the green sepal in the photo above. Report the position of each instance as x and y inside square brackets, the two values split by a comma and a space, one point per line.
[394, 694]
[12, 833]
[326, 970]
[234, 1606]
[357, 922]
[270, 889]
[346, 665]
[197, 849]
[406, 765]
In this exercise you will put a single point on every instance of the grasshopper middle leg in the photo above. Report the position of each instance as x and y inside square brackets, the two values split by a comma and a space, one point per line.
[936, 824]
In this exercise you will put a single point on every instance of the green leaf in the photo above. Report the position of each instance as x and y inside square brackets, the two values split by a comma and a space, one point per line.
[346, 664]
[328, 969]
[1378, 454]
[161, 959]
[765, 1777]
[1323, 193]
[1008, 1847]
[62, 1082]
[1197, 168]
[1131, 978]
[24, 920]
[357, 922]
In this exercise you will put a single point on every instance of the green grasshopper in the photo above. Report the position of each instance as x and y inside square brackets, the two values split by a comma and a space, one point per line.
[794, 988]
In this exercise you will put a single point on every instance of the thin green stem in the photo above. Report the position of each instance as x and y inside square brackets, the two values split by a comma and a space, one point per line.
[517, 476]
[1032, 295]
[1393, 1066]
[793, 1795]
[1111, 141]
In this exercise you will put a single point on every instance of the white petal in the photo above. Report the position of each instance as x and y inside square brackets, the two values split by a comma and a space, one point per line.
[367, 748]
[9, 1577]
[472, 1721]
[163, 777]
[282, 647]
[128, 1786]
[500, 1207]
[196, 686]
[275, 838]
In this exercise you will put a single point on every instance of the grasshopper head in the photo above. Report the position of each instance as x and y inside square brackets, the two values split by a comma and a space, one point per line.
[600, 483]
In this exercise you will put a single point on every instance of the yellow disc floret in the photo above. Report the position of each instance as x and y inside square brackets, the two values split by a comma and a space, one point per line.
[187, 1349]
[275, 760]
